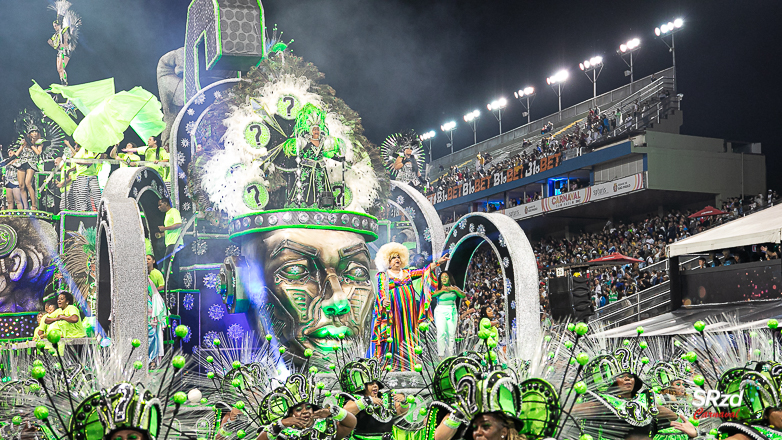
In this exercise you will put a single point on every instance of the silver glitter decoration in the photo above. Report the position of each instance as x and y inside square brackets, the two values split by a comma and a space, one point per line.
[513, 304]
[190, 127]
[481, 229]
[186, 206]
[428, 235]
[188, 301]
[180, 158]
[304, 217]
[190, 112]
[211, 280]
[364, 223]
[400, 200]
[318, 218]
[287, 217]
[425, 254]
[246, 222]
[258, 220]
[209, 338]
[135, 192]
[199, 247]
[235, 331]
[218, 94]
[355, 222]
[502, 241]
[472, 228]
[332, 218]
[272, 219]
[463, 223]
[232, 251]
[181, 175]
[345, 219]
[410, 213]
[506, 262]
[216, 312]
[188, 280]
[199, 99]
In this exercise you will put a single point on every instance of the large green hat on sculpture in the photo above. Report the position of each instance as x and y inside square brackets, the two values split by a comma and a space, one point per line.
[281, 151]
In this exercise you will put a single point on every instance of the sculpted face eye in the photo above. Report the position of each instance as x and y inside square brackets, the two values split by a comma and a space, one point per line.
[356, 272]
[294, 271]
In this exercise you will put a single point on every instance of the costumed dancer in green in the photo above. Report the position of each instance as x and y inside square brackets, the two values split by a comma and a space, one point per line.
[66, 33]
[446, 313]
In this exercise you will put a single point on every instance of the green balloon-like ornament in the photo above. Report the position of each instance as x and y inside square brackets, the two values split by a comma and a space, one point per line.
[236, 383]
[639, 330]
[210, 359]
[571, 327]
[216, 342]
[269, 337]
[699, 380]
[424, 327]
[644, 360]
[422, 411]
[410, 399]
[236, 365]
[585, 437]
[34, 388]
[239, 404]
[281, 350]
[180, 331]
[772, 324]
[37, 363]
[485, 323]
[626, 342]
[204, 401]
[327, 394]
[714, 432]
[547, 338]
[551, 355]
[569, 344]
[390, 340]
[16, 420]
[418, 368]
[320, 385]
[388, 355]
[54, 336]
[695, 422]
[135, 343]
[332, 367]
[388, 368]
[38, 372]
[582, 358]
[240, 433]
[308, 352]
[313, 370]
[582, 329]
[491, 343]
[41, 413]
[699, 326]
[418, 350]
[178, 362]
[691, 356]
[138, 365]
[580, 387]
[40, 345]
[643, 345]
[484, 334]
[179, 397]
[210, 375]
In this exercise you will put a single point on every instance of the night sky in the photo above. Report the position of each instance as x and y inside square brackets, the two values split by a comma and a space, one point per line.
[416, 64]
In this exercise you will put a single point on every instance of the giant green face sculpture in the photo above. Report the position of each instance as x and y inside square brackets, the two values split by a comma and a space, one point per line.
[318, 282]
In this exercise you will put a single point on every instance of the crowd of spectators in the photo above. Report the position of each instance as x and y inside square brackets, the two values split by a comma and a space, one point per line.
[484, 294]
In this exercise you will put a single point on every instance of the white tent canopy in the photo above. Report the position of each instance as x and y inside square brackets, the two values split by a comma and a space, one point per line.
[762, 227]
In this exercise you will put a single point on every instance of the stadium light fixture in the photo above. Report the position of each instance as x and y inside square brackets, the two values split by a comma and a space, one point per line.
[527, 93]
[556, 80]
[428, 137]
[472, 119]
[628, 49]
[595, 66]
[449, 127]
[669, 29]
[497, 105]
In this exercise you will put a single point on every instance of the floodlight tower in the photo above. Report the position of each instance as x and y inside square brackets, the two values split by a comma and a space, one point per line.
[663, 31]
[449, 127]
[556, 80]
[626, 49]
[472, 119]
[428, 137]
[529, 94]
[498, 105]
[595, 66]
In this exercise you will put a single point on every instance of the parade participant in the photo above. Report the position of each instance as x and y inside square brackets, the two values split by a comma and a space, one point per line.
[40, 331]
[399, 308]
[13, 193]
[170, 231]
[446, 313]
[154, 274]
[66, 32]
[375, 411]
[157, 320]
[67, 317]
[28, 152]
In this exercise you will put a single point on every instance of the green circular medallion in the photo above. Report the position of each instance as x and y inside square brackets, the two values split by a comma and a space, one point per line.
[255, 196]
[7, 239]
[256, 134]
[288, 107]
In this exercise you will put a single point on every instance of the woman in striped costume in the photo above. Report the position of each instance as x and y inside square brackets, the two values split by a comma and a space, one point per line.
[399, 308]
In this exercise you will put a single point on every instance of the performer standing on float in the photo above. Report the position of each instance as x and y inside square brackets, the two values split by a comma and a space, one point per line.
[446, 314]
[66, 31]
[398, 307]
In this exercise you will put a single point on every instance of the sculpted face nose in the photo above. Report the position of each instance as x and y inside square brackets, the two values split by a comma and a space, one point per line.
[336, 302]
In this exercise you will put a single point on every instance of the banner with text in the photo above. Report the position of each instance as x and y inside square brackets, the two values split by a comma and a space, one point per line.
[496, 179]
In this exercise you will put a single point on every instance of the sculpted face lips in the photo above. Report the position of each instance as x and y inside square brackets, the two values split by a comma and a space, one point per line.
[321, 278]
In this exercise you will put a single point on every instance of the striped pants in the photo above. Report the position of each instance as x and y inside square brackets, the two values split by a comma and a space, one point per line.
[86, 193]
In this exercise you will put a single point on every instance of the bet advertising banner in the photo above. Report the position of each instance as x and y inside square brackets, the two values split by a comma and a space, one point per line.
[496, 179]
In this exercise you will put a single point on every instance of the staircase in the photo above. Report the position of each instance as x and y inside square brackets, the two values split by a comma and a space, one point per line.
[651, 302]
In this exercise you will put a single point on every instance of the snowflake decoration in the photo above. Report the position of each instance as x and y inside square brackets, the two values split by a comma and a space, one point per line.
[135, 191]
[513, 304]
[188, 280]
[209, 338]
[472, 228]
[481, 229]
[216, 312]
[180, 158]
[428, 235]
[186, 339]
[190, 112]
[463, 223]
[138, 177]
[502, 241]
[184, 143]
[508, 286]
[195, 349]
[410, 213]
[235, 331]
[171, 300]
[232, 251]
[186, 206]
[506, 261]
[400, 200]
[190, 128]
[200, 247]
[218, 94]
[165, 192]
[211, 280]
[200, 99]
[188, 301]
[452, 246]
[154, 186]
[181, 175]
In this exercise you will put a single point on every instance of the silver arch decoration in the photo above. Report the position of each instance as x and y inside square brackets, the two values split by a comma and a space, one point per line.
[425, 216]
[517, 263]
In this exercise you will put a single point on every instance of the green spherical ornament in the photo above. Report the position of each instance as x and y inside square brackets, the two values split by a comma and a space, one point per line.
[551, 355]
[269, 337]
[16, 420]
[341, 336]
[572, 361]
[388, 368]
[753, 334]
[58, 366]
[491, 343]
[484, 334]
[410, 399]
[34, 388]
[388, 355]
[757, 352]
[313, 370]
[308, 352]
[40, 345]
[585, 437]
[135, 343]
[551, 369]
[772, 324]
[320, 385]
[547, 338]
[210, 359]
[210, 375]
[639, 330]
[695, 422]
[236, 383]
[691, 356]
[643, 345]
[492, 356]
[41, 413]
[625, 342]
[240, 433]
[424, 327]
[485, 323]
[582, 329]
[179, 397]
[699, 326]
[236, 365]
[239, 404]
[38, 372]
[422, 411]
[699, 380]
[418, 368]
[178, 362]
[180, 331]
[713, 432]
[569, 344]
[54, 336]
[204, 401]
[332, 367]
[580, 387]
[418, 350]
[281, 350]
[571, 327]
[582, 358]
[580, 400]
[390, 340]
[216, 342]
[37, 363]
[677, 343]
[138, 365]
[644, 360]
[327, 394]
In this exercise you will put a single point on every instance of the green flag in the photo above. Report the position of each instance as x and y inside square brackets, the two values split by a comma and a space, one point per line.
[51, 109]
[86, 96]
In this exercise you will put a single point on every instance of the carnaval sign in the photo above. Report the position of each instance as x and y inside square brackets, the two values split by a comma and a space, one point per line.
[484, 183]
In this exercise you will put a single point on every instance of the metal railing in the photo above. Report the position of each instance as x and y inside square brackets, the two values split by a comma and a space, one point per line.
[647, 303]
